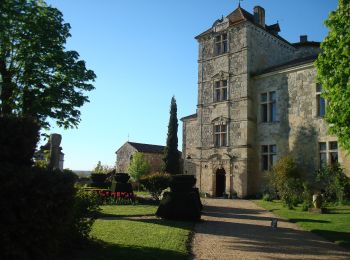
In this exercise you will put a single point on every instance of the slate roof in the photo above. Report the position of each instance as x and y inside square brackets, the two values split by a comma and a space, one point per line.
[189, 117]
[307, 43]
[240, 15]
[147, 148]
[289, 64]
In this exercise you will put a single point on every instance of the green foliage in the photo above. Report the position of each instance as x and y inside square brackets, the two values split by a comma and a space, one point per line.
[333, 67]
[40, 78]
[267, 197]
[171, 154]
[41, 212]
[138, 167]
[102, 169]
[18, 138]
[155, 183]
[86, 209]
[334, 183]
[284, 177]
[37, 211]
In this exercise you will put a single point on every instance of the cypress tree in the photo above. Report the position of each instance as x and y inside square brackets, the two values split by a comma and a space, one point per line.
[171, 154]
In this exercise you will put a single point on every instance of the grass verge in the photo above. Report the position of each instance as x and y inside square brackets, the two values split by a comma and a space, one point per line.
[333, 225]
[130, 232]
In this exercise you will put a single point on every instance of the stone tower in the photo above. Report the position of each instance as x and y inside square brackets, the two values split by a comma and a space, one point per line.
[220, 140]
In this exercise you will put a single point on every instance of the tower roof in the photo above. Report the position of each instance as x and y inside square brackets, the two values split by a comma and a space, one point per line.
[240, 15]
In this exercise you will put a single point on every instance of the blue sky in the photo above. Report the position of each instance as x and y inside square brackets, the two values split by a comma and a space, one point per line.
[143, 53]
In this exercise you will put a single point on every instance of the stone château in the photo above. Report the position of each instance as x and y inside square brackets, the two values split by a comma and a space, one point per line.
[258, 99]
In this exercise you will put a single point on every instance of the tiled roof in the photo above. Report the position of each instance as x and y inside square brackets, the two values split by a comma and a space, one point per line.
[239, 15]
[189, 117]
[147, 148]
[289, 64]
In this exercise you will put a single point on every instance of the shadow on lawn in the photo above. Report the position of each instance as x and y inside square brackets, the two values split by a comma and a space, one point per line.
[296, 220]
[116, 216]
[100, 250]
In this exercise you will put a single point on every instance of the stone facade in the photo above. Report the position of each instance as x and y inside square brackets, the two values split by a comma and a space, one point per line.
[152, 153]
[255, 61]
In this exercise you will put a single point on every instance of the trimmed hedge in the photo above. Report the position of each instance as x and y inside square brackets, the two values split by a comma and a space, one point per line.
[18, 139]
[183, 201]
[40, 213]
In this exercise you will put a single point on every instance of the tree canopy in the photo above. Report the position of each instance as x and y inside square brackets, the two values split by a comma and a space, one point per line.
[171, 154]
[39, 78]
[138, 166]
[333, 66]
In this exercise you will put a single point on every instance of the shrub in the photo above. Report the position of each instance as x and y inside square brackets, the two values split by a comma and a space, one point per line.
[285, 180]
[18, 139]
[182, 182]
[155, 183]
[86, 209]
[40, 213]
[180, 206]
[267, 197]
[334, 183]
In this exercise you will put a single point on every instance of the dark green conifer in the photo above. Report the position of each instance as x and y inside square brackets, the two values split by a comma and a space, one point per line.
[171, 154]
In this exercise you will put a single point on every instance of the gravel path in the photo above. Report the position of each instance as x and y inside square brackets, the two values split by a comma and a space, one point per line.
[239, 229]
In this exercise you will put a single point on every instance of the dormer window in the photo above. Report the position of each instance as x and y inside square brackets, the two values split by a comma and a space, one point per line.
[221, 44]
[220, 90]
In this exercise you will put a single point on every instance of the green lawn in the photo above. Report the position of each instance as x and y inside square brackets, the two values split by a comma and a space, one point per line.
[334, 225]
[147, 238]
[142, 193]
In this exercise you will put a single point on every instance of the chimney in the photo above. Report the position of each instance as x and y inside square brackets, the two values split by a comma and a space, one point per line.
[303, 38]
[259, 15]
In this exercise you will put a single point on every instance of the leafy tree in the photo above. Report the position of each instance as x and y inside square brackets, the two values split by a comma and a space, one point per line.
[171, 154]
[39, 78]
[102, 169]
[333, 66]
[138, 167]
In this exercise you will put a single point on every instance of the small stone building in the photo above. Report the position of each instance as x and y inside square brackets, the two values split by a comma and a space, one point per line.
[258, 99]
[152, 153]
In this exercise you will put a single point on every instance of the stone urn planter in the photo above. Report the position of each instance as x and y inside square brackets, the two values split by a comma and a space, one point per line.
[317, 200]
[317, 203]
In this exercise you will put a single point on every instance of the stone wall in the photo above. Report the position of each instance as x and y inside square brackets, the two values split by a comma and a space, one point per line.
[124, 155]
[266, 50]
[298, 129]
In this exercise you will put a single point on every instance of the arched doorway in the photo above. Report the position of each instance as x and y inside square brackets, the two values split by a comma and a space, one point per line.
[220, 182]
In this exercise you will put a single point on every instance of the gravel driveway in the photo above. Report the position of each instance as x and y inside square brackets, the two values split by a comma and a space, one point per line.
[239, 229]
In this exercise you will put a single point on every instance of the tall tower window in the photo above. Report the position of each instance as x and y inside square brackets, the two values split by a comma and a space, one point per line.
[221, 44]
[268, 107]
[321, 103]
[268, 156]
[220, 135]
[220, 90]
